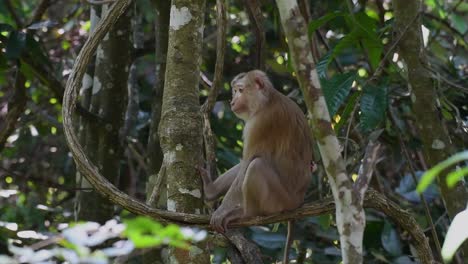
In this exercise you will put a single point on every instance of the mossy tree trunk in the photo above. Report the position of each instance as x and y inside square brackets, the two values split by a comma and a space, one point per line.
[436, 143]
[180, 127]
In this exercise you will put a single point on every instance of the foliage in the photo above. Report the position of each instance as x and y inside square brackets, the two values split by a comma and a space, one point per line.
[77, 243]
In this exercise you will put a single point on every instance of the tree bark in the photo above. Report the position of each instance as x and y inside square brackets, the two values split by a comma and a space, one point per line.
[157, 181]
[155, 155]
[350, 215]
[436, 143]
[109, 100]
[180, 127]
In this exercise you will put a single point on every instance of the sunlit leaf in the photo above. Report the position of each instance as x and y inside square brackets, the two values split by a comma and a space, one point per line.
[456, 176]
[431, 174]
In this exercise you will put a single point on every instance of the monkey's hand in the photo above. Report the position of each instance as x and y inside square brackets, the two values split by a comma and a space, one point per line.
[205, 175]
[222, 217]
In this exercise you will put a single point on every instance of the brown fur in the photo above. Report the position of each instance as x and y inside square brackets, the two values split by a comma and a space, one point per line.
[274, 172]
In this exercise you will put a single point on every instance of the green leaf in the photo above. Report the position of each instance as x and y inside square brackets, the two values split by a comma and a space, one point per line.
[459, 23]
[322, 65]
[348, 110]
[367, 28]
[456, 235]
[348, 41]
[373, 106]
[374, 50]
[336, 90]
[431, 174]
[144, 233]
[15, 45]
[325, 221]
[456, 176]
[314, 25]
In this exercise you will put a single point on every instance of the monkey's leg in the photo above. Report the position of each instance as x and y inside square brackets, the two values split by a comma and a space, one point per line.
[263, 192]
[214, 189]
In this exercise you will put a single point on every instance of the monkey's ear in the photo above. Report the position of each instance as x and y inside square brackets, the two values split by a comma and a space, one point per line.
[259, 83]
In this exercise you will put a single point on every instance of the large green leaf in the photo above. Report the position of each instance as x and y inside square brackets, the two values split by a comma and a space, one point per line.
[336, 90]
[373, 106]
[346, 42]
[367, 28]
[314, 25]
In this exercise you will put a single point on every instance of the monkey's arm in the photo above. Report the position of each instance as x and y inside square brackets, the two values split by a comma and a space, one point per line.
[214, 189]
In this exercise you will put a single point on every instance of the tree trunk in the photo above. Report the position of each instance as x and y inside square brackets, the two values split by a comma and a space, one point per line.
[155, 156]
[181, 123]
[109, 100]
[436, 142]
[350, 217]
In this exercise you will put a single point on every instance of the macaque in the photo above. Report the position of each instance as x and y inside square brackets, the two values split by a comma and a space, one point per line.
[274, 172]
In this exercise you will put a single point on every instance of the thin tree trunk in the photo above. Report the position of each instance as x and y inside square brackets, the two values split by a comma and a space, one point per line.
[156, 181]
[436, 142]
[109, 100]
[350, 216]
[181, 123]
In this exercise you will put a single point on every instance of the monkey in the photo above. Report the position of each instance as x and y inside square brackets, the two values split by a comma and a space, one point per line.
[274, 172]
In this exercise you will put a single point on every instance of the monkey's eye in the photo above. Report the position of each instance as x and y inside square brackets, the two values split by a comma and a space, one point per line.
[240, 90]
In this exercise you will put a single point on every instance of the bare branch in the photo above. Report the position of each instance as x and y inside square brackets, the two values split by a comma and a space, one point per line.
[256, 18]
[39, 11]
[100, 2]
[367, 167]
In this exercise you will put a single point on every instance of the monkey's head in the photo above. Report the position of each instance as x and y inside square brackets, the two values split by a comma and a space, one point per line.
[250, 93]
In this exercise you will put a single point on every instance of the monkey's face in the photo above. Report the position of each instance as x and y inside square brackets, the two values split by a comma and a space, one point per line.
[239, 103]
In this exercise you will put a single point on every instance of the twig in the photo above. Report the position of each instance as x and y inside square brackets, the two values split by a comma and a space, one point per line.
[161, 178]
[445, 23]
[100, 2]
[138, 156]
[368, 162]
[256, 18]
[15, 16]
[221, 20]
[39, 11]
[208, 136]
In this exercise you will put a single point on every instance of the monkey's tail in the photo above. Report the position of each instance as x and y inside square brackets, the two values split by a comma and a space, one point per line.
[289, 238]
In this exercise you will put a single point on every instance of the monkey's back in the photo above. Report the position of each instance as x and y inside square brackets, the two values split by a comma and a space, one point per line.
[280, 134]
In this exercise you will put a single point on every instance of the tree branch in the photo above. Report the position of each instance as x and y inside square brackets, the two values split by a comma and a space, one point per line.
[16, 106]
